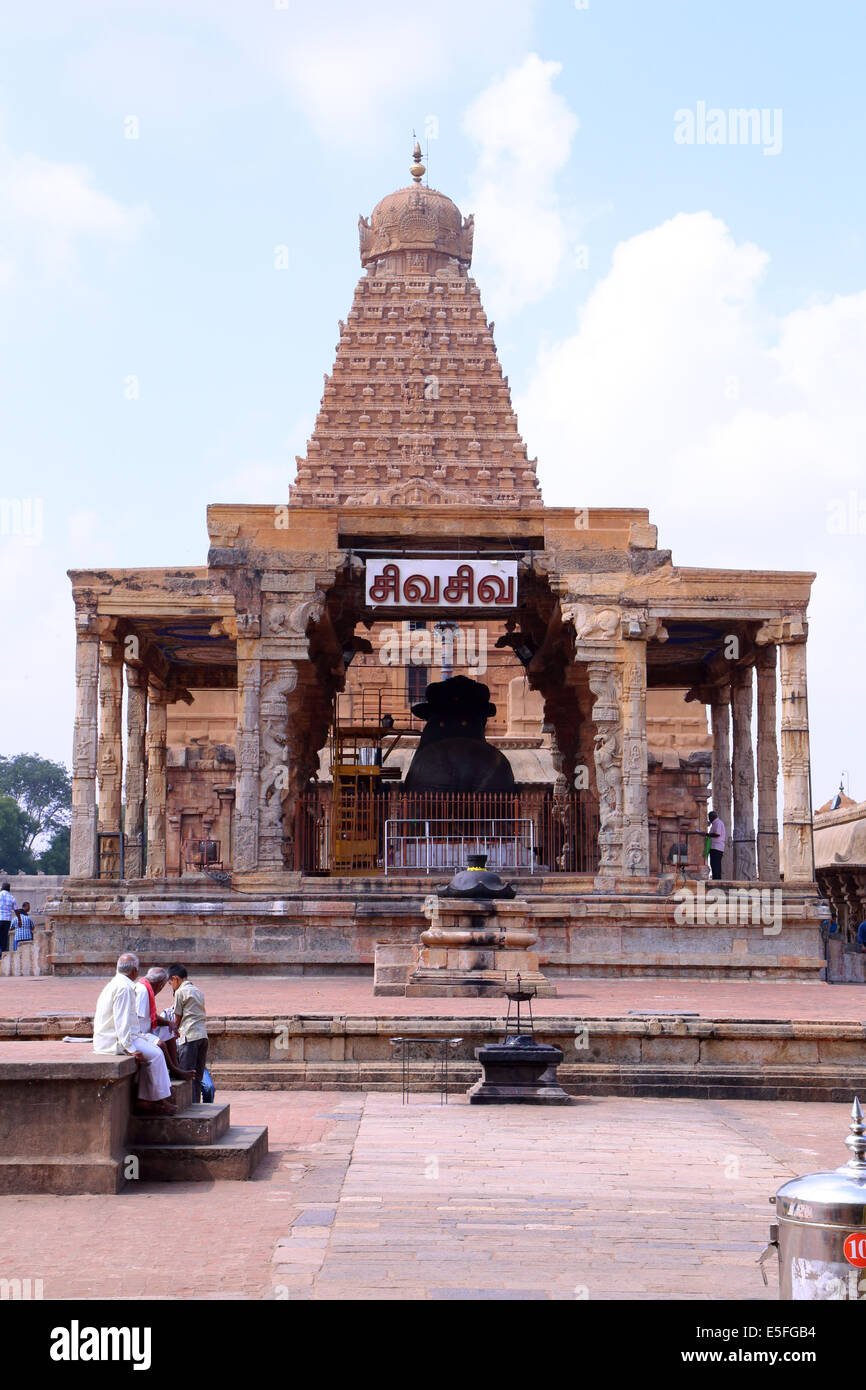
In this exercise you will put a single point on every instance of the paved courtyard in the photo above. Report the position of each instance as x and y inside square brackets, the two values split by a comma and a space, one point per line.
[250, 996]
[362, 1197]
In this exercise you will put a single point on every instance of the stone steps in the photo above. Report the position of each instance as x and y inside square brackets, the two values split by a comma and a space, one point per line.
[198, 1144]
[195, 1124]
[234, 1156]
[828, 1082]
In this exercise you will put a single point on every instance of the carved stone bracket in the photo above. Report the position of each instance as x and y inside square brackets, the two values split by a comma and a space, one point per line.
[592, 623]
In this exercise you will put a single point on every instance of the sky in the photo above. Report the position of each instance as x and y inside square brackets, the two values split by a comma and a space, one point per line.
[679, 296]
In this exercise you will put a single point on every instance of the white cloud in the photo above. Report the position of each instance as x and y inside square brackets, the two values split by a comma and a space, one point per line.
[524, 131]
[351, 69]
[48, 210]
[747, 431]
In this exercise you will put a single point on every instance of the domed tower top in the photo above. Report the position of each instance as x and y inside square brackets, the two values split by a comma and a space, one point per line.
[416, 219]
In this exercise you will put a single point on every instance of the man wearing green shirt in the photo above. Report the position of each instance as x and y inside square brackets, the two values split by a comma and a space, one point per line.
[191, 1018]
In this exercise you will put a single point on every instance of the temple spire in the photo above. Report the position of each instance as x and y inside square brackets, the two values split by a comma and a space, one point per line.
[417, 169]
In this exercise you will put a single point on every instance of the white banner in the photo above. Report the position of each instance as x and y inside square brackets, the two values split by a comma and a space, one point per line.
[442, 583]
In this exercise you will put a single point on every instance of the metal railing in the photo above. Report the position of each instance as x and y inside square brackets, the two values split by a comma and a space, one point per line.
[523, 832]
[441, 844]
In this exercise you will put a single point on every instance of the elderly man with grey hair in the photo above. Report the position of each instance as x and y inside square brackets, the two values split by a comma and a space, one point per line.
[160, 1026]
[117, 1029]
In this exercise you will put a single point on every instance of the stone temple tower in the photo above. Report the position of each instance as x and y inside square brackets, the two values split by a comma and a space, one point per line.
[417, 410]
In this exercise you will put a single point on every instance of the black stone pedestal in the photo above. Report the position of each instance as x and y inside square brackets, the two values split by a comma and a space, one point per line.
[518, 1072]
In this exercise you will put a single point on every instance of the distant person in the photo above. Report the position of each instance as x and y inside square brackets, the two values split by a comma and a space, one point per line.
[23, 961]
[116, 1030]
[717, 838]
[861, 936]
[191, 1018]
[8, 911]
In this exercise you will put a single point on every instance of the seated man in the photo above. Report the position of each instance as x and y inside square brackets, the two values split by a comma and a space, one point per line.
[161, 1026]
[116, 1029]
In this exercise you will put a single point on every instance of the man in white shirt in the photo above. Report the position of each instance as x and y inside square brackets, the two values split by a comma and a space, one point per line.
[117, 1028]
[717, 836]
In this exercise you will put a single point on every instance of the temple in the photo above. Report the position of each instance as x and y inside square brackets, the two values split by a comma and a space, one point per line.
[245, 731]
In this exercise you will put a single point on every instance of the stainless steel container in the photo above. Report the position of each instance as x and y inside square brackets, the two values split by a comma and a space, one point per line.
[820, 1233]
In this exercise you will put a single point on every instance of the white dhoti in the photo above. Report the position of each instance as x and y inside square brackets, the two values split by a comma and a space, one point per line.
[153, 1081]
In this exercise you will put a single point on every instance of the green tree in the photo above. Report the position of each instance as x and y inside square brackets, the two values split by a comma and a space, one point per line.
[55, 859]
[16, 831]
[42, 790]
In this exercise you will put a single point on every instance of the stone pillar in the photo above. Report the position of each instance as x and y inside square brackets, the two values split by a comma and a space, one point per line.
[136, 721]
[156, 726]
[224, 824]
[720, 719]
[635, 773]
[768, 765]
[110, 759]
[604, 682]
[279, 679]
[743, 774]
[82, 837]
[797, 812]
[248, 760]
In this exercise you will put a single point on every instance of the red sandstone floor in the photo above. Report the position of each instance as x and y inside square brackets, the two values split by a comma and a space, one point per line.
[361, 1197]
[251, 996]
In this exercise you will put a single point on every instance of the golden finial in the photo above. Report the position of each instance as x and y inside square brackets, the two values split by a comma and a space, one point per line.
[417, 169]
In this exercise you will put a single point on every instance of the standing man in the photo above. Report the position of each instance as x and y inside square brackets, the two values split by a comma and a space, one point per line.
[116, 1029]
[717, 836]
[189, 1014]
[8, 910]
[24, 961]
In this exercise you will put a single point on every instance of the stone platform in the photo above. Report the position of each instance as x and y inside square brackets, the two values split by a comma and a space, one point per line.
[627, 1037]
[313, 925]
[67, 1125]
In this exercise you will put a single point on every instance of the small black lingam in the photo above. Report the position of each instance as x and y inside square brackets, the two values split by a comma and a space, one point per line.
[477, 881]
[519, 1070]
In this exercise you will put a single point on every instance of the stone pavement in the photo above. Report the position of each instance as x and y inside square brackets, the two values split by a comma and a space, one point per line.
[606, 1199]
[250, 996]
[364, 1198]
